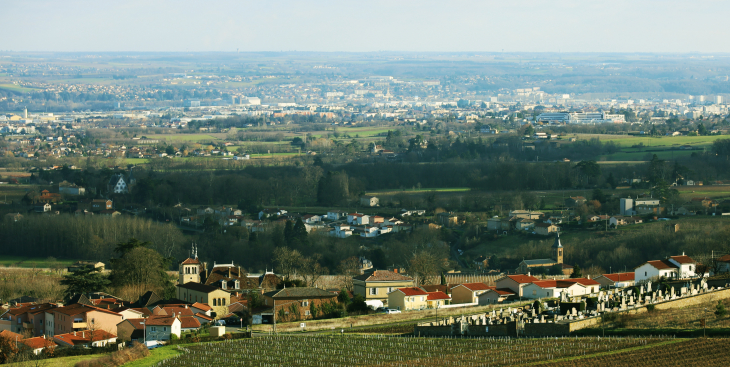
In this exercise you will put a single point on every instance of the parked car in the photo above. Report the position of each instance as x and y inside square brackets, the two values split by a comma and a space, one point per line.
[391, 310]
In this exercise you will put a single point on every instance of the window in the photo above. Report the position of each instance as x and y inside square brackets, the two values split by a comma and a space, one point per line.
[224, 301]
[305, 304]
[164, 328]
[373, 291]
[306, 312]
[153, 328]
[644, 273]
[214, 302]
[534, 293]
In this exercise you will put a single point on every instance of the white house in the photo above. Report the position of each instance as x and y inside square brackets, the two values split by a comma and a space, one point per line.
[369, 232]
[336, 215]
[552, 289]
[342, 231]
[673, 267]
[161, 327]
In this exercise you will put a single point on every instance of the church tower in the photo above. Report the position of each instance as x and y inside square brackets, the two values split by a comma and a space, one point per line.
[557, 250]
[189, 271]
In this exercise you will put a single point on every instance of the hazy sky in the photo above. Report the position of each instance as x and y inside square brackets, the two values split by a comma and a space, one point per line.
[394, 25]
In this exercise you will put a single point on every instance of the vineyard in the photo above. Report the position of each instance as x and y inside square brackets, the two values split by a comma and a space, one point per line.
[693, 352]
[400, 351]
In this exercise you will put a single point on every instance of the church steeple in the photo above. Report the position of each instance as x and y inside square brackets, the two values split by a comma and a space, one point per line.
[557, 249]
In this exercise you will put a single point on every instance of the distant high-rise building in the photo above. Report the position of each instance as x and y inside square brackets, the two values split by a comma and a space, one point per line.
[718, 99]
[702, 99]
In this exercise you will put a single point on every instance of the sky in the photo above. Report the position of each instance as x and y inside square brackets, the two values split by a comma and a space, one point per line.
[366, 25]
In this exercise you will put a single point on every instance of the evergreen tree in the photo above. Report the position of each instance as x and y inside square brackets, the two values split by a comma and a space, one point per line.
[577, 273]
[288, 232]
[299, 232]
[720, 310]
[84, 281]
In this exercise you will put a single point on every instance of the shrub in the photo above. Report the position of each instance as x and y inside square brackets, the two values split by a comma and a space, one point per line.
[650, 308]
[720, 310]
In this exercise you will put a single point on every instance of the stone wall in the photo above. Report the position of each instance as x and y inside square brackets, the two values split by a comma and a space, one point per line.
[507, 329]
[547, 329]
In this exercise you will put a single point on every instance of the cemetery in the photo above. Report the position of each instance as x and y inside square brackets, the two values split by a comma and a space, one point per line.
[560, 317]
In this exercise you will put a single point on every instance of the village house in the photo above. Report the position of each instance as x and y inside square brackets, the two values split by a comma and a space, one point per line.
[336, 214]
[677, 267]
[131, 330]
[515, 283]
[524, 224]
[296, 303]
[377, 285]
[620, 220]
[78, 317]
[616, 280]
[29, 318]
[406, 299]
[162, 327]
[468, 292]
[447, 219]
[494, 296]
[546, 229]
[574, 201]
[342, 231]
[369, 201]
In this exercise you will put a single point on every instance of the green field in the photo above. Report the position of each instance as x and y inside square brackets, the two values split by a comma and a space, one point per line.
[17, 88]
[646, 156]
[32, 262]
[654, 142]
[417, 191]
[183, 137]
[136, 160]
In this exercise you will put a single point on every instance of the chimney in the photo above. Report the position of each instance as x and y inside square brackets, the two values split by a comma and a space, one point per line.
[588, 277]
[229, 271]
[74, 333]
[186, 306]
[83, 334]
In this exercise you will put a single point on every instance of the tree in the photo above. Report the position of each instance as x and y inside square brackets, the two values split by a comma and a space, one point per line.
[701, 129]
[287, 261]
[349, 268]
[358, 305]
[299, 233]
[556, 269]
[141, 269]
[423, 266]
[311, 270]
[576, 272]
[84, 281]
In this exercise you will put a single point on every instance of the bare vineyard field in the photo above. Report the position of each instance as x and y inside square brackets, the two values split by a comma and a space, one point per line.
[693, 352]
[398, 351]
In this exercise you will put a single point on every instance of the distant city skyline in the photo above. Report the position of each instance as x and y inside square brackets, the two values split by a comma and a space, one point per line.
[365, 26]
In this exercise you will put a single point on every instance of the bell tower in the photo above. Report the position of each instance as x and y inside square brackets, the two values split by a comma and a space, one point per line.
[189, 270]
[557, 249]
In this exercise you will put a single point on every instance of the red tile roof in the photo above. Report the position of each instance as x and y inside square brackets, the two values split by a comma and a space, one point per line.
[11, 335]
[583, 281]
[38, 343]
[683, 259]
[503, 291]
[617, 277]
[190, 261]
[203, 316]
[77, 308]
[522, 278]
[189, 322]
[437, 296]
[160, 320]
[136, 323]
[413, 291]
[661, 264]
[201, 306]
[84, 336]
[724, 259]
[181, 311]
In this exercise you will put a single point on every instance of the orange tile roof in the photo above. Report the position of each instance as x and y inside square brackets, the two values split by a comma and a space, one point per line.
[583, 281]
[189, 322]
[382, 275]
